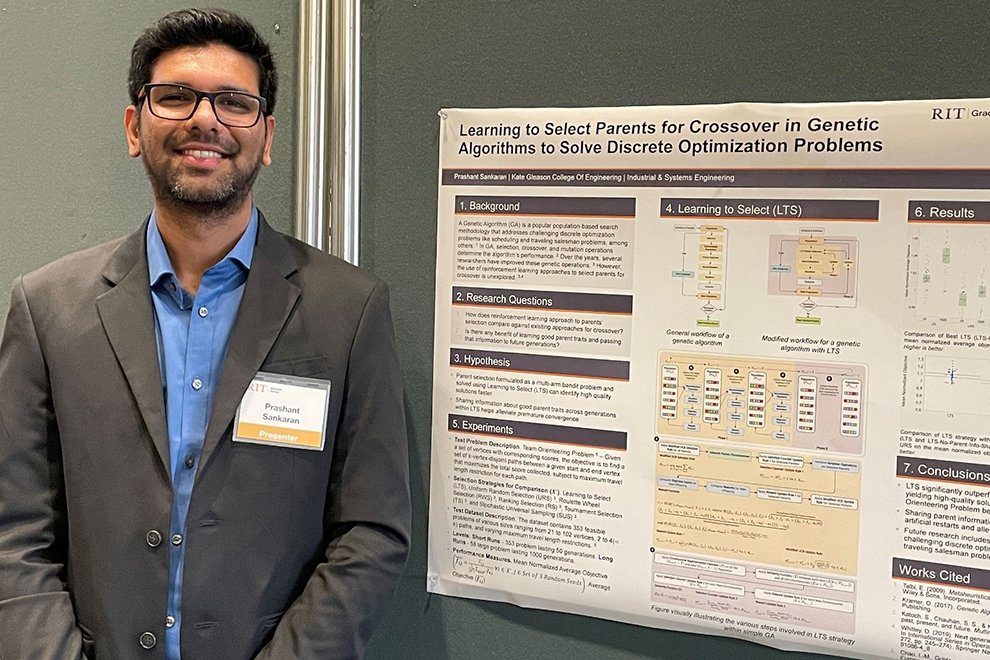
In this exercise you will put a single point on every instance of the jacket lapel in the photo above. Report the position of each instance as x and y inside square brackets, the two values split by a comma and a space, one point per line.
[268, 300]
[129, 320]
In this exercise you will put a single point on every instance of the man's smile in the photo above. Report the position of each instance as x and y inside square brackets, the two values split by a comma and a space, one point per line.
[202, 156]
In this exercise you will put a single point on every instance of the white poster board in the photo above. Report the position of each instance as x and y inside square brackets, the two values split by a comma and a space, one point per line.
[723, 369]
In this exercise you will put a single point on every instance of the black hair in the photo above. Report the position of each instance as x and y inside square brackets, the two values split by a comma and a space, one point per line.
[200, 27]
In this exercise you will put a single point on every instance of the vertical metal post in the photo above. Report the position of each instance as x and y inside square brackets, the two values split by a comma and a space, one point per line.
[327, 192]
[312, 117]
[345, 140]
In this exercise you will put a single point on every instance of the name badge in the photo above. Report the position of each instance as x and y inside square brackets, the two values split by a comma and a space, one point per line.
[284, 411]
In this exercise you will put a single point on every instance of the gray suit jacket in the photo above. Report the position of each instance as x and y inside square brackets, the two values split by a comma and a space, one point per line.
[290, 553]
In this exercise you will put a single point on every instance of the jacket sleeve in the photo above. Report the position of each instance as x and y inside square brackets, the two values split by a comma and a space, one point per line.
[36, 616]
[367, 518]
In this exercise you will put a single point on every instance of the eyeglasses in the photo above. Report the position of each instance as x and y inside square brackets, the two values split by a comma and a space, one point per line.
[234, 109]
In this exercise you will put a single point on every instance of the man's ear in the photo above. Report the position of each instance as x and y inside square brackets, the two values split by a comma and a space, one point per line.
[266, 157]
[131, 117]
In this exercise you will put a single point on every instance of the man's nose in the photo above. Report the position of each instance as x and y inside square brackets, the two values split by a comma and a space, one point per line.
[203, 115]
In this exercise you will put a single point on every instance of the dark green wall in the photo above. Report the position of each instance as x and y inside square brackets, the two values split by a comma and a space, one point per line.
[66, 181]
[422, 55]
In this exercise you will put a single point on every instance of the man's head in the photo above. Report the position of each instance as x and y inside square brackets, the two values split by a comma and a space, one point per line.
[199, 155]
[200, 27]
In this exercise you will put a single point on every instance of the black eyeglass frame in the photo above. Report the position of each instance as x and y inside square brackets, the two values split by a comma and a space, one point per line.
[211, 96]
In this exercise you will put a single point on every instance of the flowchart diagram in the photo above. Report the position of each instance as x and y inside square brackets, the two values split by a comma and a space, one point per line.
[820, 270]
[774, 508]
[766, 522]
[745, 589]
[703, 268]
[785, 403]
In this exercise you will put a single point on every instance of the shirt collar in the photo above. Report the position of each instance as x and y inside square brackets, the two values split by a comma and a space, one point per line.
[160, 266]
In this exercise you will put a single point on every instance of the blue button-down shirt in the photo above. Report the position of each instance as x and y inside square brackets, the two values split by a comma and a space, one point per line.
[193, 334]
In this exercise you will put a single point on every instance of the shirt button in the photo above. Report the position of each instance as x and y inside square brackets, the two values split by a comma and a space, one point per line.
[197, 384]
[177, 539]
[169, 621]
[154, 538]
[203, 312]
[190, 461]
[147, 640]
[171, 286]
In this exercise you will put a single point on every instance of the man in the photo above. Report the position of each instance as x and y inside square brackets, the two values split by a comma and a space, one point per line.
[202, 440]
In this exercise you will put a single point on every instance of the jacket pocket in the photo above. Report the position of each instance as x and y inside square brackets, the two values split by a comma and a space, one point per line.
[305, 366]
[271, 621]
[88, 643]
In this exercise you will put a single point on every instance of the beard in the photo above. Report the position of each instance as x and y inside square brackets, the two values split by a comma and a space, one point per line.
[178, 189]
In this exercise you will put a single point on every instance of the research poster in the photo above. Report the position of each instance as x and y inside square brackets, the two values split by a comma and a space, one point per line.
[722, 369]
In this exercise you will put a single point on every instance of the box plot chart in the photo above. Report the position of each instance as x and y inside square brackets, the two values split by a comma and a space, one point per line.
[948, 274]
[955, 385]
